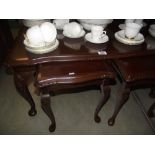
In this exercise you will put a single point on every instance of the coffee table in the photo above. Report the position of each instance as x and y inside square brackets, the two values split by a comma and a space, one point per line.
[24, 64]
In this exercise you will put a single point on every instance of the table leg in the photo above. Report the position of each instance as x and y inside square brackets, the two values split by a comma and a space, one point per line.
[106, 91]
[150, 111]
[152, 92]
[21, 86]
[122, 97]
[45, 105]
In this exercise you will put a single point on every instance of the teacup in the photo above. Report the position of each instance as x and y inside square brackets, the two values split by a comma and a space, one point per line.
[73, 28]
[132, 30]
[97, 32]
[34, 36]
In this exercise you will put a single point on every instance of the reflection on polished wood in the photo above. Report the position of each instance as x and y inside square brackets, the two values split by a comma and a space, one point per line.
[81, 50]
[77, 50]
[63, 76]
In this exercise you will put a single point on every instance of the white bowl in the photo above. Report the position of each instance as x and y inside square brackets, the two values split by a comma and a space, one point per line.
[96, 21]
[88, 23]
[48, 31]
[152, 27]
[33, 22]
[73, 28]
[60, 23]
[34, 36]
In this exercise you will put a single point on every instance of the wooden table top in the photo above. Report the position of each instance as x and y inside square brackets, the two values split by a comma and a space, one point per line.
[79, 50]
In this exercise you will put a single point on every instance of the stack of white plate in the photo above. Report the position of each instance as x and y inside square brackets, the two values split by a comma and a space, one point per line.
[152, 30]
[41, 39]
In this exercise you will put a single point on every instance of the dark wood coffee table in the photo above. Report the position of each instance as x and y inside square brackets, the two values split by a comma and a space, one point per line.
[25, 64]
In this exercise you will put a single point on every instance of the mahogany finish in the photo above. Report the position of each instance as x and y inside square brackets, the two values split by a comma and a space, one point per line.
[86, 51]
[74, 50]
[22, 78]
[65, 75]
[135, 73]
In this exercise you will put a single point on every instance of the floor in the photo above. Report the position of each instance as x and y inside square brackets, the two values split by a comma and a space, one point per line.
[73, 113]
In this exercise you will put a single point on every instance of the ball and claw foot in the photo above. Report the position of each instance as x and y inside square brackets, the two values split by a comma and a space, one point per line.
[97, 119]
[32, 112]
[52, 128]
[111, 122]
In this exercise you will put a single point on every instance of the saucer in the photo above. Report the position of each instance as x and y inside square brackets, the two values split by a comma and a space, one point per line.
[66, 34]
[100, 41]
[43, 50]
[152, 33]
[29, 45]
[120, 36]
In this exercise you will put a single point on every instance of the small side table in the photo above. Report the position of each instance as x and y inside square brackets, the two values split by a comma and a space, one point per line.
[70, 75]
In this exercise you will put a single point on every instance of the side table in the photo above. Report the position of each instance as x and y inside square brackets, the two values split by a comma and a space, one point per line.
[60, 76]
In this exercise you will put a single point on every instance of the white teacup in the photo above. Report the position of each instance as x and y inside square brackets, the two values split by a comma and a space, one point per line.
[73, 28]
[34, 36]
[132, 30]
[97, 32]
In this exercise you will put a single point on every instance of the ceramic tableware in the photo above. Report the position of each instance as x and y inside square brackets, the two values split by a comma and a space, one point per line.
[43, 50]
[33, 22]
[69, 35]
[97, 33]
[88, 37]
[120, 36]
[60, 23]
[73, 28]
[48, 31]
[129, 21]
[34, 36]
[152, 27]
[132, 30]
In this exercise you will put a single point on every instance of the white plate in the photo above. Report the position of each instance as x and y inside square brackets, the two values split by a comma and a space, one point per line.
[100, 41]
[152, 33]
[71, 36]
[44, 49]
[120, 36]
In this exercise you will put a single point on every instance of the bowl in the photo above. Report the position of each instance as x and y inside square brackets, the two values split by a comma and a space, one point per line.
[33, 22]
[152, 27]
[48, 31]
[73, 28]
[88, 23]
